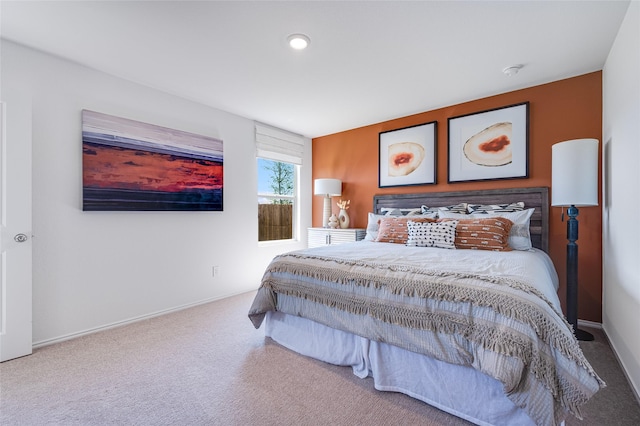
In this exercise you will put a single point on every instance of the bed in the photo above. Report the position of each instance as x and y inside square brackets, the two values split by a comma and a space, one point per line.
[476, 333]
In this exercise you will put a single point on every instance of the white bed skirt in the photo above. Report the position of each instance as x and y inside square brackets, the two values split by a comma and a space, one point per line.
[459, 390]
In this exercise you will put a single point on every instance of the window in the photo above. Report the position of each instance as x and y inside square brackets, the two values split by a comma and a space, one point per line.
[276, 199]
[279, 156]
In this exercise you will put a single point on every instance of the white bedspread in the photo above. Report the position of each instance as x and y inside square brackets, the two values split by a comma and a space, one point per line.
[533, 266]
[495, 311]
[458, 390]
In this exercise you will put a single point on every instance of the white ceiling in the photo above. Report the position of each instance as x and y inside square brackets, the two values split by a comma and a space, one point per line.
[368, 61]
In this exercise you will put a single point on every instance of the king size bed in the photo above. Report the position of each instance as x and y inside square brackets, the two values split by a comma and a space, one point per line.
[477, 333]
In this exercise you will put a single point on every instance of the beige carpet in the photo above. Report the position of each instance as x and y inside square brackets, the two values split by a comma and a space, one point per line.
[208, 366]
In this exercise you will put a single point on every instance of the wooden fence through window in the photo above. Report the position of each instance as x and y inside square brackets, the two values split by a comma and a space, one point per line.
[275, 222]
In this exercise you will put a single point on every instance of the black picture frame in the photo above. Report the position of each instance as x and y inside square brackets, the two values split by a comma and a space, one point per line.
[407, 156]
[489, 145]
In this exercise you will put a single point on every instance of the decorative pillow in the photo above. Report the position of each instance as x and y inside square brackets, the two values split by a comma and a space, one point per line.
[393, 229]
[432, 234]
[372, 226]
[483, 233]
[490, 208]
[456, 208]
[451, 215]
[519, 236]
[400, 212]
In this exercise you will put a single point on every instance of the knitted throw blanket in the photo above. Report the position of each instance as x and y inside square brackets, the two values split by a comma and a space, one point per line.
[500, 326]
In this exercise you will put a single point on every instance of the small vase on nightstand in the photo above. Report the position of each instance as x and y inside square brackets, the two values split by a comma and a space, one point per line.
[343, 217]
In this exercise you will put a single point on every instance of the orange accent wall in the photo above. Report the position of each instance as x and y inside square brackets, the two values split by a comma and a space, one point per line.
[558, 111]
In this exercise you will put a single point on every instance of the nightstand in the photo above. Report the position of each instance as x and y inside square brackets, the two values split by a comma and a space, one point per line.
[328, 236]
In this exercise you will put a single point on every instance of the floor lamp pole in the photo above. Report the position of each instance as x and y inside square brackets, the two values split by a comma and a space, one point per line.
[572, 274]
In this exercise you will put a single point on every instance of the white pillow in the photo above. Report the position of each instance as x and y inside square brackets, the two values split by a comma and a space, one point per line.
[443, 214]
[432, 234]
[519, 236]
[372, 226]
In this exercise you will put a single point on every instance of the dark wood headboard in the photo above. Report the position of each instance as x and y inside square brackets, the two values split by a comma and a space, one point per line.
[537, 198]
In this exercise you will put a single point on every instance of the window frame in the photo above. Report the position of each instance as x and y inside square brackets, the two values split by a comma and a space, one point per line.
[295, 198]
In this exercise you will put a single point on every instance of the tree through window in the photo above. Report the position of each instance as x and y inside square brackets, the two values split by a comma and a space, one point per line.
[276, 200]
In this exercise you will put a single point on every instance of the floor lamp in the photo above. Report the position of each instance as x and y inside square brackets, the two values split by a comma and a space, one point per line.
[574, 183]
[327, 188]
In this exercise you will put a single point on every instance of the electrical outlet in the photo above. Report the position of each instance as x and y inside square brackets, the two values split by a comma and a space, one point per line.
[215, 271]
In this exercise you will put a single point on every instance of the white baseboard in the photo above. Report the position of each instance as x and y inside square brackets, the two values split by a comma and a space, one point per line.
[70, 336]
[591, 324]
[634, 389]
[598, 325]
[585, 323]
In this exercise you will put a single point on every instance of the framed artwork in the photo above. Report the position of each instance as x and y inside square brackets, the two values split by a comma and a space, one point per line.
[133, 166]
[489, 145]
[407, 156]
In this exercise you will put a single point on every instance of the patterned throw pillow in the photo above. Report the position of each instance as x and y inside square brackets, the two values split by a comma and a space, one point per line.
[483, 234]
[495, 208]
[401, 212]
[373, 224]
[432, 234]
[519, 237]
[456, 208]
[393, 229]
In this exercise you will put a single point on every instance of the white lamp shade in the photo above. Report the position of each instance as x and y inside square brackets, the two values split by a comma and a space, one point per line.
[327, 187]
[574, 173]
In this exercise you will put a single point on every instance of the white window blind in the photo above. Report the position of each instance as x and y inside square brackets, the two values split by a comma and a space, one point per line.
[279, 145]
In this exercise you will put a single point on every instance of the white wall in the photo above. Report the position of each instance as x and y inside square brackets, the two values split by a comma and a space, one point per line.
[621, 233]
[93, 269]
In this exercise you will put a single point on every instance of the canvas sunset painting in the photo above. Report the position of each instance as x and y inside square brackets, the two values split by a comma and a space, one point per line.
[133, 166]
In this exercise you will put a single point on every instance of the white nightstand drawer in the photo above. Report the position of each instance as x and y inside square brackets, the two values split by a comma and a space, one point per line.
[327, 236]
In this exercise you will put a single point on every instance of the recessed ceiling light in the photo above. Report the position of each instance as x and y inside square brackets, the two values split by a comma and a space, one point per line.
[512, 70]
[298, 41]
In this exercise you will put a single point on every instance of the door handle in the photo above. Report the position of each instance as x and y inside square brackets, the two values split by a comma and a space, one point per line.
[20, 238]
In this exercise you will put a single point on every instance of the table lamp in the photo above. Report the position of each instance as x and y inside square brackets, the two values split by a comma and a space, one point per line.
[327, 188]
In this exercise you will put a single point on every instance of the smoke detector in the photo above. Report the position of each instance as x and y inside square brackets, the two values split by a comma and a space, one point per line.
[512, 70]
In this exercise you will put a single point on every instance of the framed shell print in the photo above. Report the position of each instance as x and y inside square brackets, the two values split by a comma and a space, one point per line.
[489, 145]
[407, 156]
